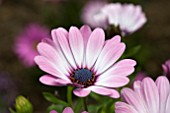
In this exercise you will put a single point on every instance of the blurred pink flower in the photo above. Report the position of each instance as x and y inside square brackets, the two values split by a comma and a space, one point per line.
[83, 59]
[67, 110]
[166, 68]
[89, 12]
[140, 76]
[25, 44]
[127, 17]
[147, 96]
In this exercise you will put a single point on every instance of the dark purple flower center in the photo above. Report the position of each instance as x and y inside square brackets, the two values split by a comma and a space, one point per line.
[83, 77]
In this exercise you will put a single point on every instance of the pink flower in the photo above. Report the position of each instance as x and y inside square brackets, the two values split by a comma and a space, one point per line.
[67, 110]
[90, 11]
[83, 59]
[127, 17]
[25, 45]
[146, 97]
[166, 68]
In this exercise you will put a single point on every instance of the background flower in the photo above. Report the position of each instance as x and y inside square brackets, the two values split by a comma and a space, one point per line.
[25, 45]
[90, 11]
[83, 59]
[126, 17]
[166, 68]
[146, 97]
[66, 110]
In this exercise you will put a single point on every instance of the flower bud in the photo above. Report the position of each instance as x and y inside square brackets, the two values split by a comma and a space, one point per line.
[23, 105]
[166, 69]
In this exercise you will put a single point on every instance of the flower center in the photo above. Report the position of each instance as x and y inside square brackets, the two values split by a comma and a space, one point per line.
[83, 77]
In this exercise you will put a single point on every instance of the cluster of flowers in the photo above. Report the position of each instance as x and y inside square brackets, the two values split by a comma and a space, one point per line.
[83, 59]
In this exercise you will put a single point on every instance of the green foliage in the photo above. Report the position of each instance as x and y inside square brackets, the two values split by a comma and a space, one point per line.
[51, 98]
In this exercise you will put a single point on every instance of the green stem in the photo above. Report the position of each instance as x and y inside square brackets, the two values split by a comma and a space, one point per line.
[69, 95]
[85, 103]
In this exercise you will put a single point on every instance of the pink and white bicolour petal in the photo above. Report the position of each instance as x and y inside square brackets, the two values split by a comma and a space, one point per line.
[60, 36]
[121, 107]
[83, 92]
[148, 96]
[77, 45]
[94, 46]
[90, 14]
[109, 56]
[164, 91]
[86, 32]
[53, 81]
[116, 75]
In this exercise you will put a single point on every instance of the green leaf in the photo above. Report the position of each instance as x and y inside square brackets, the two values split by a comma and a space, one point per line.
[11, 110]
[133, 51]
[78, 106]
[51, 98]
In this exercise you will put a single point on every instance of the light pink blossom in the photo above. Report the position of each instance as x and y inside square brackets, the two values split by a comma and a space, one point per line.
[25, 45]
[147, 96]
[67, 110]
[128, 17]
[83, 59]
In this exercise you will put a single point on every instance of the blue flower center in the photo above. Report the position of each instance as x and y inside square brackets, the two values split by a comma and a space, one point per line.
[83, 77]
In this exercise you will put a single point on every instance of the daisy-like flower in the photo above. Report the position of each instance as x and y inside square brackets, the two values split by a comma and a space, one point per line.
[147, 96]
[84, 59]
[25, 45]
[67, 110]
[126, 17]
[166, 68]
[90, 11]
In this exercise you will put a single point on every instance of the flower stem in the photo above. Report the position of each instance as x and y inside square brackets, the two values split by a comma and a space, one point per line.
[69, 95]
[85, 103]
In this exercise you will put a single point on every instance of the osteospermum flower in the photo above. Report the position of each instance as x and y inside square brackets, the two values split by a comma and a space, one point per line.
[83, 59]
[126, 17]
[26, 41]
[166, 68]
[67, 110]
[147, 96]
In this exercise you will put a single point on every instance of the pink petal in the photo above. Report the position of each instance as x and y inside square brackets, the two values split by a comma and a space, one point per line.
[86, 32]
[109, 56]
[52, 55]
[68, 110]
[121, 107]
[53, 81]
[139, 91]
[94, 46]
[61, 36]
[77, 45]
[49, 67]
[122, 68]
[168, 104]
[164, 91]
[84, 112]
[53, 111]
[81, 92]
[151, 95]
[112, 81]
[133, 99]
[104, 91]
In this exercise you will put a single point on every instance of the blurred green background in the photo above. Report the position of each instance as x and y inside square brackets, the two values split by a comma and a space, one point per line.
[154, 38]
